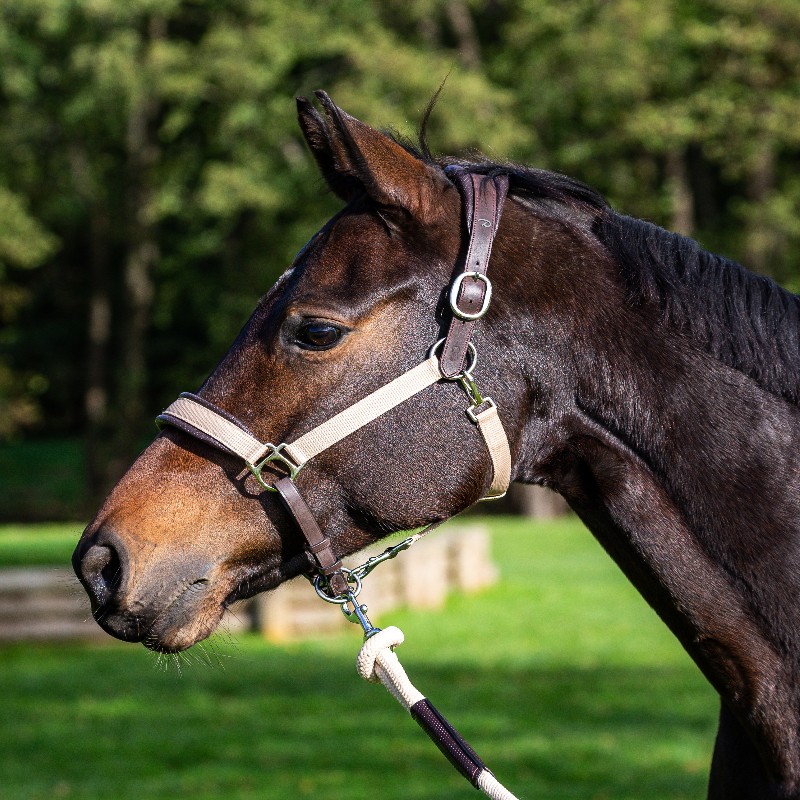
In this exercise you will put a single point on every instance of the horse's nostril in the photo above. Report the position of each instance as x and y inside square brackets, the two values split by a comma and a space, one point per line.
[101, 571]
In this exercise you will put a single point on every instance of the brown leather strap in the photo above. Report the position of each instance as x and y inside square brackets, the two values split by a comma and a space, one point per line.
[317, 544]
[483, 204]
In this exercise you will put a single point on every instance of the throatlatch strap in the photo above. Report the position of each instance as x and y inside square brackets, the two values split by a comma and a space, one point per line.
[494, 436]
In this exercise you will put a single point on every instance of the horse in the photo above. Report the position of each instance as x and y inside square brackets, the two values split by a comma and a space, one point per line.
[652, 384]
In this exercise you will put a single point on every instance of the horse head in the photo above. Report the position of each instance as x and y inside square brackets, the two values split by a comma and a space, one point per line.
[651, 383]
[187, 530]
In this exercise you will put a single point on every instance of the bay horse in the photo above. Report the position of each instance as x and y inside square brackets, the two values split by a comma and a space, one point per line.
[653, 384]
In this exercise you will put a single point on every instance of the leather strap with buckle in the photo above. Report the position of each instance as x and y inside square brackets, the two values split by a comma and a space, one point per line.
[471, 291]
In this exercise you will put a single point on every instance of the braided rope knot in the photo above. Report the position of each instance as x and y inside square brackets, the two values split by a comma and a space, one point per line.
[377, 663]
[385, 639]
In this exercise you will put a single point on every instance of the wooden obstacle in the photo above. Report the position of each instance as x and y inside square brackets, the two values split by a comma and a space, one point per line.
[456, 559]
[44, 603]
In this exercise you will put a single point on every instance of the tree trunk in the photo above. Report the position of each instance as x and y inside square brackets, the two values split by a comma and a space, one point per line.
[100, 319]
[464, 29]
[681, 191]
[96, 394]
[760, 243]
[142, 255]
[535, 502]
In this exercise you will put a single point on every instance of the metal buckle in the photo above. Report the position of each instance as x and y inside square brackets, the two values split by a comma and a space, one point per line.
[468, 384]
[456, 288]
[276, 455]
[485, 401]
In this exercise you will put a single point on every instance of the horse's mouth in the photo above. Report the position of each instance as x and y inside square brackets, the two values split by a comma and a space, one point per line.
[194, 612]
[258, 579]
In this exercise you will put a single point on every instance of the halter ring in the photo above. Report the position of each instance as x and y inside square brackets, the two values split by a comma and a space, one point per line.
[276, 456]
[342, 599]
[465, 373]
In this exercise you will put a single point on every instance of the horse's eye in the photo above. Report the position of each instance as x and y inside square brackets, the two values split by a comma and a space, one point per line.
[318, 336]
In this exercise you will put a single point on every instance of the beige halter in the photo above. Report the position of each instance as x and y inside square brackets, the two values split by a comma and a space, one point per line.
[470, 295]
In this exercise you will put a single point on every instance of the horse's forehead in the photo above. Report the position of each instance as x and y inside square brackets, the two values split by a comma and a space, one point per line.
[359, 249]
[356, 247]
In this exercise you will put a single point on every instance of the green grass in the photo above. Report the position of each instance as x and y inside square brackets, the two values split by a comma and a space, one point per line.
[560, 676]
[46, 544]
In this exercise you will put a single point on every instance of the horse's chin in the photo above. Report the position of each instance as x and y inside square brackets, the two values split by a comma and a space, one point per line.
[186, 617]
[182, 625]
[166, 639]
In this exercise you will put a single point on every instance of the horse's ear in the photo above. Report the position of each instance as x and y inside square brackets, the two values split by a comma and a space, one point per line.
[355, 158]
[331, 158]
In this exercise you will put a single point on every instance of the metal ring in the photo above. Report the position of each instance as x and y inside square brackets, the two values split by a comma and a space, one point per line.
[339, 600]
[276, 455]
[471, 350]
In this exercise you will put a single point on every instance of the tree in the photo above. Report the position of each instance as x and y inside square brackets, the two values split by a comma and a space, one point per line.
[161, 147]
[683, 112]
[24, 245]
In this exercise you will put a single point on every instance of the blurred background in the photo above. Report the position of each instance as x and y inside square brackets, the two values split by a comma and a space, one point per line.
[153, 181]
[153, 184]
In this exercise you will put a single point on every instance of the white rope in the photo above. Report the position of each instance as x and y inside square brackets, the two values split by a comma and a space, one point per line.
[492, 787]
[377, 663]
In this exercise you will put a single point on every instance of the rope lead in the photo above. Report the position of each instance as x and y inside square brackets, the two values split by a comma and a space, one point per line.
[378, 663]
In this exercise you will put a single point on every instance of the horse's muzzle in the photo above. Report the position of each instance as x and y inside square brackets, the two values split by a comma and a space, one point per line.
[169, 611]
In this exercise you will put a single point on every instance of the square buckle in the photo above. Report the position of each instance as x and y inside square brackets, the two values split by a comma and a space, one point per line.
[485, 404]
[276, 456]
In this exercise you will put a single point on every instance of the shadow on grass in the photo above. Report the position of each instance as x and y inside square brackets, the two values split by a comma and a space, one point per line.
[268, 722]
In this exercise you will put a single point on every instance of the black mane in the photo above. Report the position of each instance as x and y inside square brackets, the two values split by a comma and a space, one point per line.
[745, 320]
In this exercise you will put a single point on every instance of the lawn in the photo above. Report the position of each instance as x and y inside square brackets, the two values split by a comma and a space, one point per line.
[46, 544]
[560, 676]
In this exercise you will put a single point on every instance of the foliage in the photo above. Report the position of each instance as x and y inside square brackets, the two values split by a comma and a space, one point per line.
[560, 676]
[24, 244]
[42, 480]
[154, 182]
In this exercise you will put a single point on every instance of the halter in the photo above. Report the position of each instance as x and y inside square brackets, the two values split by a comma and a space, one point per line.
[451, 359]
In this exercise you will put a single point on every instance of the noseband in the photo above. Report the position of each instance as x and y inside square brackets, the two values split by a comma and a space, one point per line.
[451, 359]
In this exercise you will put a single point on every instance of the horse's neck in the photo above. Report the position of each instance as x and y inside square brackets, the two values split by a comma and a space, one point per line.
[688, 474]
[725, 449]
